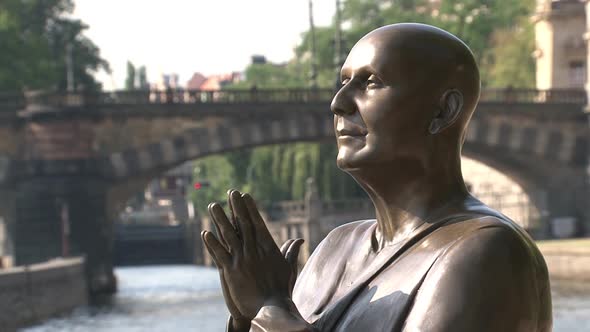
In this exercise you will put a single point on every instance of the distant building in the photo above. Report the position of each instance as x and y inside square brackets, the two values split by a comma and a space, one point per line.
[166, 81]
[217, 82]
[164, 89]
[561, 51]
[196, 81]
[258, 59]
[213, 82]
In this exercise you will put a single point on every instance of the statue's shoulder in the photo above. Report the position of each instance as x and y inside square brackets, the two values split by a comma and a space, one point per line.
[345, 237]
[479, 231]
[478, 220]
[492, 236]
[352, 229]
[489, 270]
[496, 253]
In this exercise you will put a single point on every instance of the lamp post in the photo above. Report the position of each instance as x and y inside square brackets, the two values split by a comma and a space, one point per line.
[70, 67]
[586, 189]
[338, 46]
[314, 67]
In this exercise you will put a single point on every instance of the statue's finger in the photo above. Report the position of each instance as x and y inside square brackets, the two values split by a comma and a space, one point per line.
[219, 234]
[225, 229]
[244, 223]
[263, 236]
[232, 218]
[285, 247]
[293, 252]
[220, 255]
[210, 251]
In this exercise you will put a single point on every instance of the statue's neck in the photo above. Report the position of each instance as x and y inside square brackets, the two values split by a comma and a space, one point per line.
[403, 204]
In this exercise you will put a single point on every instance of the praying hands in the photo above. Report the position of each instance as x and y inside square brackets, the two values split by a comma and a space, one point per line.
[254, 272]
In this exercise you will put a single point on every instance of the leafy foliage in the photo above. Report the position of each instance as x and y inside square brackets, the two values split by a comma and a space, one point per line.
[130, 80]
[509, 62]
[136, 77]
[273, 173]
[479, 23]
[34, 36]
[142, 80]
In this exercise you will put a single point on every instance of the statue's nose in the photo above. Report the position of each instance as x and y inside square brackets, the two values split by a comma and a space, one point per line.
[343, 102]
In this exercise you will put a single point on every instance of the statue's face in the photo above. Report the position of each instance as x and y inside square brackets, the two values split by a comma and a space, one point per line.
[381, 113]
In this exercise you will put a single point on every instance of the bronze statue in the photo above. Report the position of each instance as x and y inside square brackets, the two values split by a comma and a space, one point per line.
[436, 258]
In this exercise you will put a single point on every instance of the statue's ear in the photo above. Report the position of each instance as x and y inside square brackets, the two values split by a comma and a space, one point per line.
[450, 106]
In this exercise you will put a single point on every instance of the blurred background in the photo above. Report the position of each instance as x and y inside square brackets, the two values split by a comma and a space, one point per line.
[121, 120]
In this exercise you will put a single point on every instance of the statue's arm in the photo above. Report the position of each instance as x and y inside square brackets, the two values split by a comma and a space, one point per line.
[487, 281]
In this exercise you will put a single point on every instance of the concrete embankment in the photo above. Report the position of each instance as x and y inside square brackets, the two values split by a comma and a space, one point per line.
[567, 259]
[29, 294]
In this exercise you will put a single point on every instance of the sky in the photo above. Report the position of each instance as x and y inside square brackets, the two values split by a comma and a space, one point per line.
[187, 36]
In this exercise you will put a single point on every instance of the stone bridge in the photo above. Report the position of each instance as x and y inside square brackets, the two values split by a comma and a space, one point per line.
[69, 163]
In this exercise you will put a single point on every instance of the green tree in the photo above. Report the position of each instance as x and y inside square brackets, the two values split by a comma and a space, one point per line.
[219, 173]
[325, 43]
[272, 76]
[510, 61]
[142, 80]
[34, 35]
[274, 173]
[131, 78]
[366, 15]
[477, 22]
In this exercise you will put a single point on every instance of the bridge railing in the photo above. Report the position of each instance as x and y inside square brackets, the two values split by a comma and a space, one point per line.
[181, 96]
[533, 96]
[240, 96]
[287, 210]
[346, 205]
[18, 101]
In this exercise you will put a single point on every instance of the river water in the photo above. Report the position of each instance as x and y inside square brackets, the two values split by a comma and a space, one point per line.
[188, 298]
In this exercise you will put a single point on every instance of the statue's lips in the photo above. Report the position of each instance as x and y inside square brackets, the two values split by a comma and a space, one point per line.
[350, 139]
[343, 137]
[349, 134]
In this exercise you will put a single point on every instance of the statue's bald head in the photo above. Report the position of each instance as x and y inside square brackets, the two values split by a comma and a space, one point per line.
[428, 59]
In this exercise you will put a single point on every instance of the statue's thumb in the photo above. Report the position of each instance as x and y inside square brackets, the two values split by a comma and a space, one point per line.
[293, 252]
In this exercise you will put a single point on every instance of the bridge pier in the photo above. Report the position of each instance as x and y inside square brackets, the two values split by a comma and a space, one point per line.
[567, 210]
[65, 216]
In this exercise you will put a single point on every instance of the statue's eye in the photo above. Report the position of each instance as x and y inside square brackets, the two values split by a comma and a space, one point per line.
[373, 82]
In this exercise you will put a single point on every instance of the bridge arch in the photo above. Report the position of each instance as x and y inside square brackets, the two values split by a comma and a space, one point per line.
[535, 191]
[226, 136]
[133, 169]
[547, 161]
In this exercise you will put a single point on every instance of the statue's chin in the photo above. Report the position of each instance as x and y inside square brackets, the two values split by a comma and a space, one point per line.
[348, 163]
[353, 159]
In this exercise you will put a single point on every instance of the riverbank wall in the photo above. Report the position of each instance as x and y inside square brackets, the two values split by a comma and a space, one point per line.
[33, 293]
[567, 259]
[564, 265]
